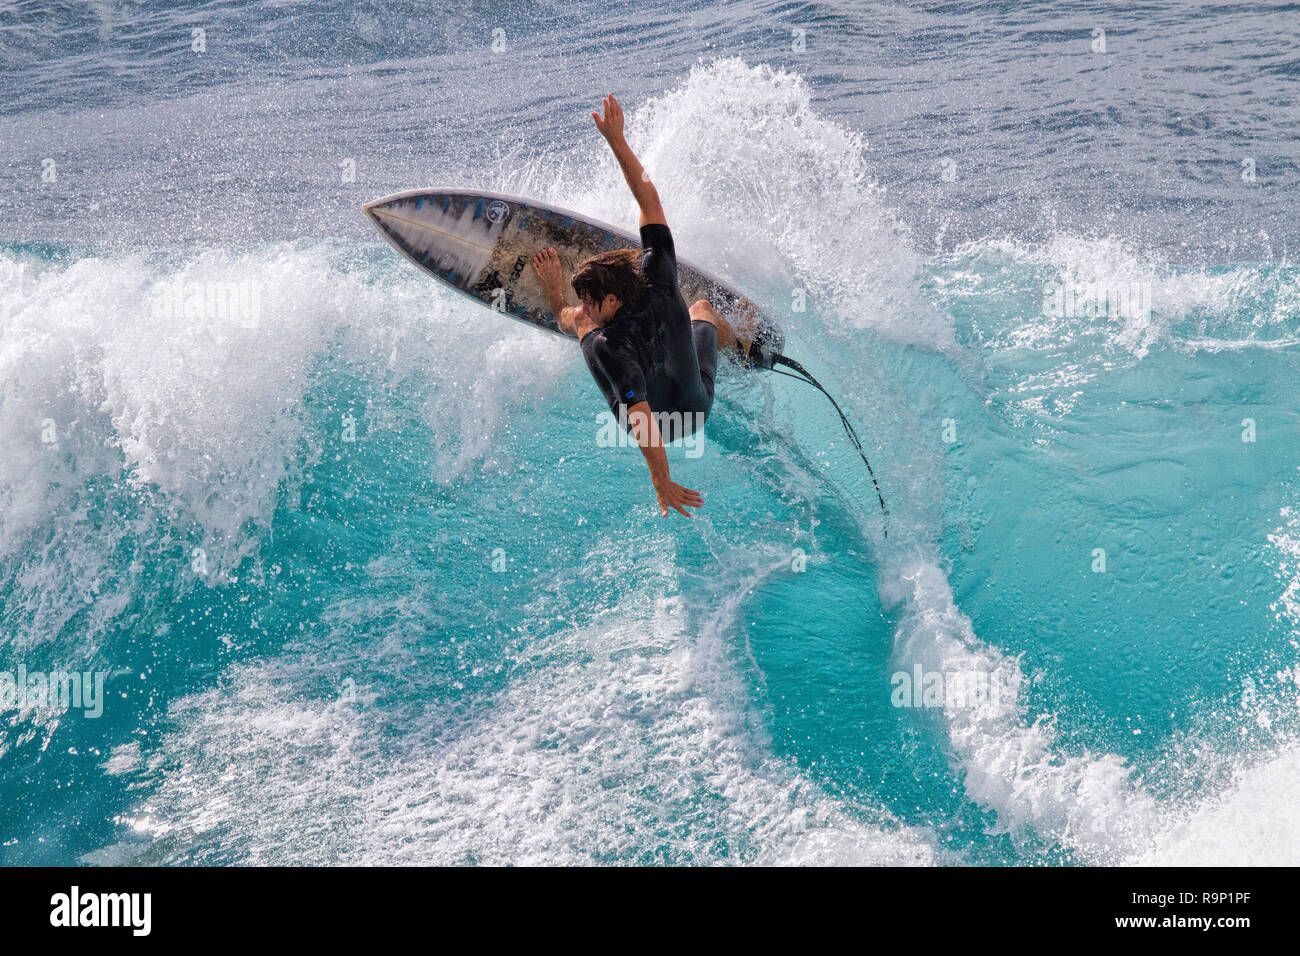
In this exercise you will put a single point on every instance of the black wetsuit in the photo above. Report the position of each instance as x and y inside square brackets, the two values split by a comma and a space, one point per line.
[655, 353]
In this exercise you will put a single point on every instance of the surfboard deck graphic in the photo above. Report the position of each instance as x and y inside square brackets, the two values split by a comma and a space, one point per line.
[482, 243]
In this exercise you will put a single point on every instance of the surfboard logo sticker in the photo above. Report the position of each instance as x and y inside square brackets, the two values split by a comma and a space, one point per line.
[497, 211]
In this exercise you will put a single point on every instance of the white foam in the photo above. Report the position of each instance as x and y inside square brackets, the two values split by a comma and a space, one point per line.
[634, 737]
[751, 172]
[124, 758]
[519, 369]
[1206, 308]
[760, 187]
[1087, 802]
[1285, 541]
[630, 740]
[1252, 823]
[204, 411]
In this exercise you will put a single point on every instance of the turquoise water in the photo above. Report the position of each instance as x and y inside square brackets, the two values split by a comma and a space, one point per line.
[366, 589]
[351, 680]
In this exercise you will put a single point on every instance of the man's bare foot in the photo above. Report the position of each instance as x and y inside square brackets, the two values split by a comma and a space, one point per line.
[547, 266]
[744, 321]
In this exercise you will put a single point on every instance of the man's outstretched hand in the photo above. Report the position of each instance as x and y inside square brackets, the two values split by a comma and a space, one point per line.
[611, 124]
[673, 495]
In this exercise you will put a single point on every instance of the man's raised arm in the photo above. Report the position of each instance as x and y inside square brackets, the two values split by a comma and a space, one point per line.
[647, 197]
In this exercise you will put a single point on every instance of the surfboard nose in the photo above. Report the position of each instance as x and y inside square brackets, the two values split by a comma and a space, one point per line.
[376, 207]
[372, 208]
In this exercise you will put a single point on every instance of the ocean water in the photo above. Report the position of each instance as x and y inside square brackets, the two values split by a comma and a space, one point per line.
[363, 588]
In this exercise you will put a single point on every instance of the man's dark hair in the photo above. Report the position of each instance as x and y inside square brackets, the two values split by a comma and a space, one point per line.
[611, 273]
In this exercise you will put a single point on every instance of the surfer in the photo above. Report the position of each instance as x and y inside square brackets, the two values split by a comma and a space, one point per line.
[653, 358]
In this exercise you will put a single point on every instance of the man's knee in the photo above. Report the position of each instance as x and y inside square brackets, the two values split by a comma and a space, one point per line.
[702, 311]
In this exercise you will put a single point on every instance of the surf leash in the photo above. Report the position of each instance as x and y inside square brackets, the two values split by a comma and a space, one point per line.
[806, 376]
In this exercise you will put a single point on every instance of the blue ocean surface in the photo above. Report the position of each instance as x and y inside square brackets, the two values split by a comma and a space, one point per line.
[362, 586]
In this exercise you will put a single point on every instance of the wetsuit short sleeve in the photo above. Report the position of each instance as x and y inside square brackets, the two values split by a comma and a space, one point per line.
[618, 367]
[659, 264]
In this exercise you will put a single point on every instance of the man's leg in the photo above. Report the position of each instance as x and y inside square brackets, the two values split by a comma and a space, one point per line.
[702, 310]
[704, 337]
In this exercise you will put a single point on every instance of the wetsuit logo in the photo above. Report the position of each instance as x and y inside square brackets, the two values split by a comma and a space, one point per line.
[497, 211]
